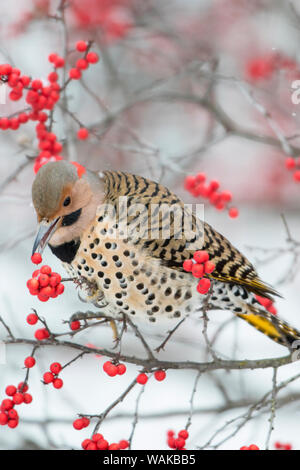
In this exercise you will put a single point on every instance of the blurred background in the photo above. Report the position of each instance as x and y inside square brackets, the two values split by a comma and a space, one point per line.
[182, 86]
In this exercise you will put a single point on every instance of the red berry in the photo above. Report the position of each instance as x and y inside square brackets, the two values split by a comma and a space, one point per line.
[27, 398]
[18, 398]
[188, 265]
[60, 289]
[29, 362]
[75, 325]
[85, 443]
[78, 424]
[201, 256]
[189, 182]
[48, 377]
[260, 68]
[106, 365]
[3, 419]
[92, 58]
[97, 437]
[5, 69]
[171, 442]
[36, 258]
[160, 375]
[92, 446]
[102, 444]
[81, 46]
[53, 77]
[33, 284]
[52, 58]
[59, 62]
[46, 270]
[83, 133]
[209, 267]
[114, 446]
[184, 434]
[10, 390]
[179, 443]
[41, 334]
[82, 64]
[46, 291]
[23, 118]
[197, 270]
[203, 286]
[25, 80]
[58, 383]
[13, 414]
[111, 370]
[121, 369]
[23, 387]
[54, 279]
[75, 74]
[233, 211]
[287, 446]
[200, 178]
[7, 404]
[226, 196]
[55, 368]
[12, 423]
[142, 379]
[290, 163]
[123, 444]
[36, 84]
[85, 422]
[253, 447]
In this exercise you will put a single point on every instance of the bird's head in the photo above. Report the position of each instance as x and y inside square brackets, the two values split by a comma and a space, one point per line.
[65, 198]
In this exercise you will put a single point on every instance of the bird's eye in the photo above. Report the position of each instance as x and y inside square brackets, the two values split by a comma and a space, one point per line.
[67, 201]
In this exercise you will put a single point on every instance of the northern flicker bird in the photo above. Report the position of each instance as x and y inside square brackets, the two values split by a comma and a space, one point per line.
[109, 228]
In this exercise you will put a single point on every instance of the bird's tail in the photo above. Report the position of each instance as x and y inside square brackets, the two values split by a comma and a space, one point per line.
[272, 326]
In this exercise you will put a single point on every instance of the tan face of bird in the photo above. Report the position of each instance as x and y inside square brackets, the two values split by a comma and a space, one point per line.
[65, 203]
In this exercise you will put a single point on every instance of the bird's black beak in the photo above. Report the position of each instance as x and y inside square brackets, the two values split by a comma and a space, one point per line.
[44, 232]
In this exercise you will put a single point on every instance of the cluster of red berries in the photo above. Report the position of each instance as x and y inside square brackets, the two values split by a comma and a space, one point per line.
[196, 186]
[279, 446]
[42, 99]
[267, 303]
[200, 265]
[179, 441]
[19, 395]
[52, 375]
[45, 284]
[251, 447]
[293, 164]
[83, 63]
[159, 375]
[113, 17]
[114, 369]
[99, 443]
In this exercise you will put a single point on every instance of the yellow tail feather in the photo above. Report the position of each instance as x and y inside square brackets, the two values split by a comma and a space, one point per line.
[271, 326]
